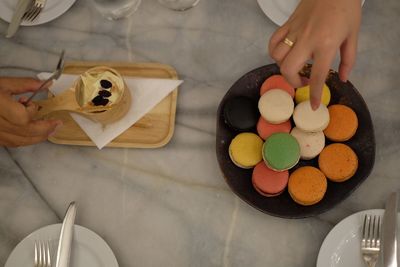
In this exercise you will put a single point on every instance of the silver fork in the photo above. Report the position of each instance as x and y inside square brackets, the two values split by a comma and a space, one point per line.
[371, 239]
[54, 76]
[42, 254]
[34, 10]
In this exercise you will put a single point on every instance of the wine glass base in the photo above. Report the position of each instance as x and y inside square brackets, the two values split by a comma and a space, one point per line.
[179, 5]
[116, 10]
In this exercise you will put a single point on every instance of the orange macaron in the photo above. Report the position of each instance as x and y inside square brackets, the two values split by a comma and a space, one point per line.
[307, 185]
[277, 82]
[338, 162]
[343, 123]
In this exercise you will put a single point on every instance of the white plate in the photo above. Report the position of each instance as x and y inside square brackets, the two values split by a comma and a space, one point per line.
[341, 246]
[279, 10]
[52, 10]
[88, 249]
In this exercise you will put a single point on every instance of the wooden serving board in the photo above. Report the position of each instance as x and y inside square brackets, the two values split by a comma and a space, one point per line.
[154, 130]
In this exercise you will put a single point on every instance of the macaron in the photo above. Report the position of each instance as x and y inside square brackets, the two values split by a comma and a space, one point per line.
[303, 94]
[309, 120]
[265, 129]
[343, 123]
[281, 151]
[276, 106]
[245, 150]
[338, 162]
[268, 182]
[311, 144]
[241, 113]
[276, 82]
[307, 185]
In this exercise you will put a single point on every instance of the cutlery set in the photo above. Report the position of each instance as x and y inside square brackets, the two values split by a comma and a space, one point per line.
[26, 10]
[374, 239]
[371, 245]
[42, 249]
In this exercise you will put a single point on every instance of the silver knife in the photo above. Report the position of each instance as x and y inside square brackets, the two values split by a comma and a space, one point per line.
[67, 232]
[389, 232]
[19, 12]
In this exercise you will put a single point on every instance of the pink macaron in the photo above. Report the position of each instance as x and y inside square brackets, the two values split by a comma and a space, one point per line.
[268, 182]
[277, 82]
[265, 129]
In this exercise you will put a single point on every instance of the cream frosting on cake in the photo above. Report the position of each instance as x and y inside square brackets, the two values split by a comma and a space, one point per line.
[92, 93]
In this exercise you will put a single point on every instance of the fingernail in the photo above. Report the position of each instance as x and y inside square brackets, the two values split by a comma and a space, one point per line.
[314, 105]
[59, 124]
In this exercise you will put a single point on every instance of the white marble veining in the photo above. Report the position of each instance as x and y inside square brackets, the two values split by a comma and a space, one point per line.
[171, 206]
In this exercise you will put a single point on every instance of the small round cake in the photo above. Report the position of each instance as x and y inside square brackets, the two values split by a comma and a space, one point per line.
[276, 106]
[281, 151]
[245, 150]
[303, 94]
[343, 123]
[309, 120]
[338, 162]
[102, 95]
[100, 88]
[311, 144]
[265, 129]
[277, 82]
[268, 182]
[307, 185]
[241, 113]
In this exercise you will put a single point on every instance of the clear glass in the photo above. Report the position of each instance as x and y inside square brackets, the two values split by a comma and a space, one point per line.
[116, 9]
[179, 5]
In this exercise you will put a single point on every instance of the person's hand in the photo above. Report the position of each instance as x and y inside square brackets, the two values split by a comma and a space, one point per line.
[318, 29]
[17, 127]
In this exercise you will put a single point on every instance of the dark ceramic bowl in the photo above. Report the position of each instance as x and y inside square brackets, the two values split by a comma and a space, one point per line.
[239, 180]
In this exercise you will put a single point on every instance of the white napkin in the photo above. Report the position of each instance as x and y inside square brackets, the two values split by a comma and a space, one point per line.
[146, 94]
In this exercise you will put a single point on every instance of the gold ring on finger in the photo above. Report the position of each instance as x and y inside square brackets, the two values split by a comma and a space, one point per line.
[288, 42]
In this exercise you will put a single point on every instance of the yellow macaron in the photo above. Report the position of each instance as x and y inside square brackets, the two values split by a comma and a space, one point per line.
[245, 150]
[303, 94]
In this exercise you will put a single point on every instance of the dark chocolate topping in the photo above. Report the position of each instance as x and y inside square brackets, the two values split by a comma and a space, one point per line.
[104, 93]
[100, 101]
[105, 84]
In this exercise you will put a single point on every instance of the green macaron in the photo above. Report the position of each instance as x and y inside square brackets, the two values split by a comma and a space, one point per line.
[281, 151]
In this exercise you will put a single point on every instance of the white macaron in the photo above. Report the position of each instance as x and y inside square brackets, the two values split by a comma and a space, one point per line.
[311, 144]
[276, 106]
[309, 120]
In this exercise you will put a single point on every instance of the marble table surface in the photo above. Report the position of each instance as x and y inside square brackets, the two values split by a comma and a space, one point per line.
[171, 206]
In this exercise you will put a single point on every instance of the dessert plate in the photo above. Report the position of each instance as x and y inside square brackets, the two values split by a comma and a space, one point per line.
[239, 180]
[88, 249]
[341, 247]
[279, 10]
[52, 10]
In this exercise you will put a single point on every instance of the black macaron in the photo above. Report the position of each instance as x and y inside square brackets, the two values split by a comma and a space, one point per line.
[241, 113]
